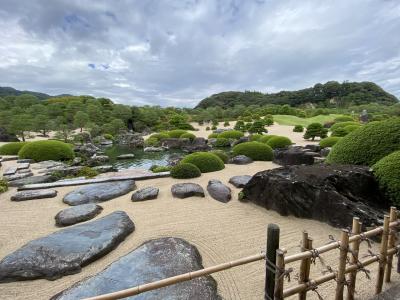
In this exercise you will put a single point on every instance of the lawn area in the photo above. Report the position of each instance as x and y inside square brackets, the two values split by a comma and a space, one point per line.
[293, 120]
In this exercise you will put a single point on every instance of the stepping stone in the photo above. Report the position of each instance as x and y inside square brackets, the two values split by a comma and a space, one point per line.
[25, 160]
[66, 251]
[241, 160]
[23, 171]
[184, 190]
[33, 195]
[21, 166]
[240, 180]
[18, 176]
[32, 180]
[219, 191]
[9, 157]
[10, 171]
[126, 156]
[154, 260]
[77, 214]
[147, 193]
[100, 192]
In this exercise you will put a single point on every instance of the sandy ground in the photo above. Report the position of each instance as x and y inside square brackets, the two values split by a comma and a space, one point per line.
[221, 232]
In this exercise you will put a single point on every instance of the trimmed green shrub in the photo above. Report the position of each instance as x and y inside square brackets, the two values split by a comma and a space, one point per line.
[151, 142]
[368, 144]
[176, 133]
[226, 124]
[240, 126]
[159, 169]
[387, 172]
[265, 138]
[254, 150]
[339, 132]
[208, 128]
[298, 128]
[108, 136]
[214, 127]
[205, 161]
[329, 141]
[11, 148]
[279, 142]
[47, 150]
[255, 137]
[159, 136]
[351, 128]
[344, 119]
[222, 155]
[185, 170]
[231, 134]
[87, 172]
[315, 130]
[342, 125]
[222, 142]
[268, 121]
[3, 186]
[213, 135]
[188, 135]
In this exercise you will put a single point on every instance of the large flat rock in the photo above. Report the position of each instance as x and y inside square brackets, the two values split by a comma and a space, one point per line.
[147, 193]
[32, 180]
[154, 260]
[18, 176]
[219, 191]
[239, 181]
[33, 195]
[66, 251]
[76, 214]
[99, 192]
[184, 190]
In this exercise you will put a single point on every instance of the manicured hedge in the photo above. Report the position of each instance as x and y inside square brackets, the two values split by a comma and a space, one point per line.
[152, 142]
[11, 148]
[213, 135]
[159, 136]
[231, 134]
[342, 125]
[176, 133]
[222, 142]
[158, 169]
[205, 161]
[185, 170]
[329, 141]
[351, 128]
[47, 150]
[344, 119]
[108, 136]
[368, 144]
[279, 142]
[266, 138]
[188, 135]
[340, 132]
[387, 172]
[298, 128]
[221, 154]
[254, 150]
[255, 137]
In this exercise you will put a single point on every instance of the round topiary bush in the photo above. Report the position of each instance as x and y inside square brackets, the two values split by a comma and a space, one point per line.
[11, 148]
[188, 135]
[205, 161]
[152, 142]
[344, 119]
[265, 138]
[231, 134]
[351, 128]
[342, 125]
[222, 142]
[340, 132]
[255, 137]
[298, 128]
[254, 150]
[368, 144]
[329, 141]
[176, 133]
[222, 155]
[213, 135]
[279, 142]
[387, 172]
[108, 136]
[159, 136]
[47, 150]
[185, 170]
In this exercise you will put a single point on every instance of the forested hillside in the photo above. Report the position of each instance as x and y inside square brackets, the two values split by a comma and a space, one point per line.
[9, 91]
[330, 94]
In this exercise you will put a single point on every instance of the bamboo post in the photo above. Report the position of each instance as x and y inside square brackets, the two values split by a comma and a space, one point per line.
[341, 275]
[270, 261]
[305, 264]
[391, 244]
[279, 278]
[382, 262]
[355, 247]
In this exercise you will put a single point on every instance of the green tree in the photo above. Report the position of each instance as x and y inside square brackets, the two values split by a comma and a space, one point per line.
[20, 125]
[257, 127]
[64, 131]
[41, 123]
[81, 119]
[315, 130]
[240, 126]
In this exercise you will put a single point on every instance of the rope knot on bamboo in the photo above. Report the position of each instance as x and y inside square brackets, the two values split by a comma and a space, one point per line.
[313, 286]
[364, 238]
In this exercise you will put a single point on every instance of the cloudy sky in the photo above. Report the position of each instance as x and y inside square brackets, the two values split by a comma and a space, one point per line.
[166, 52]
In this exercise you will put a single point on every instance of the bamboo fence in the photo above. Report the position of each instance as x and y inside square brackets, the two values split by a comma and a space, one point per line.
[348, 243]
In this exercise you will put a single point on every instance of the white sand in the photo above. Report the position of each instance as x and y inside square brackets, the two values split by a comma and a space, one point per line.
[221, 232]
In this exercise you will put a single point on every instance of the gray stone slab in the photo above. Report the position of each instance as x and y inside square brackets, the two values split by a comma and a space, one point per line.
[33, 195]
[126, 156]
[21, 166]
[147, 193]
[18, 176]
[31, 180]
[66, 251]
[10, 171]
[94, 180]
[9, 157]
[219, 191]
[240, 180]
[99, 192]
[184, 190]
[154, 260]
[25, 160]
[77, 214]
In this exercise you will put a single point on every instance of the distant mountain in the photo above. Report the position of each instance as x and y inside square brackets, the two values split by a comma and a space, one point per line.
[9, 91]
[331, 93]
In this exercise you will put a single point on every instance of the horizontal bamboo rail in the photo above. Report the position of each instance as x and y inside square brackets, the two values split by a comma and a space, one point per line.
[178, 278]
[322, 279]
[334, 245]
